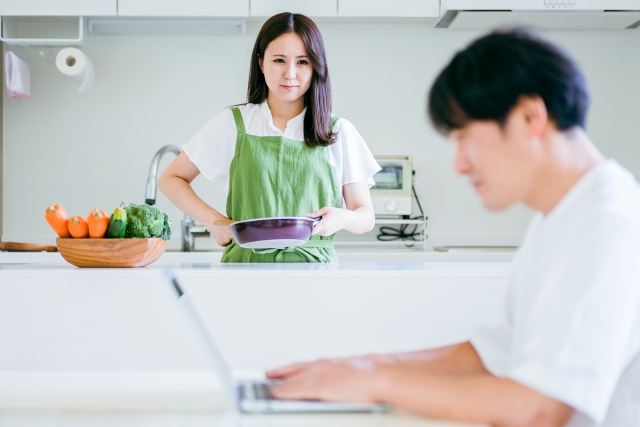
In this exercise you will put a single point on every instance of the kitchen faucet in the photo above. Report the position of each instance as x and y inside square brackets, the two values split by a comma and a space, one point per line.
[152, 180]
[152, 188]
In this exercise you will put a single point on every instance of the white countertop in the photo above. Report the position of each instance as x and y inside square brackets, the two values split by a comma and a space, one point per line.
[206, 264]
[176, 410]
[173, 258]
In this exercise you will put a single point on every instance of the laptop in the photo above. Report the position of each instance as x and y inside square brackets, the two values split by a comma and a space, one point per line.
[249, 396]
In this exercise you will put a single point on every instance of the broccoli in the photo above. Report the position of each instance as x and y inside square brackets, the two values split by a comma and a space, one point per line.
[144, 221]
[167, 228]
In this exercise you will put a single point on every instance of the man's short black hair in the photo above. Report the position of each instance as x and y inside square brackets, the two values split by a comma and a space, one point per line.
[486, 80]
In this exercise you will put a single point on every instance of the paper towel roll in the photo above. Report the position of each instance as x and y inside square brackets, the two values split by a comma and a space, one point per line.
[73, 63]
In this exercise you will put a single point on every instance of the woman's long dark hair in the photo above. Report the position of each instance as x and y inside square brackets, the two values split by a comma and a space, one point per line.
[317, 119]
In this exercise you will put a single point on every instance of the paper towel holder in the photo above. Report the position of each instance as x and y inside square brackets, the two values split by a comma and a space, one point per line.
[53, 23]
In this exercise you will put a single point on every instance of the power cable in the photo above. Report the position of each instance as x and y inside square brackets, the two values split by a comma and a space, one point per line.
[404, 232]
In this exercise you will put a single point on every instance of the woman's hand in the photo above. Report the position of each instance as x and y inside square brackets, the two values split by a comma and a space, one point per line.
[220, 231]
[358, 218]
[333, 220]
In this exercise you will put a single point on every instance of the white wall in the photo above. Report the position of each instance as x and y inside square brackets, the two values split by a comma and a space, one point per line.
[94, 150]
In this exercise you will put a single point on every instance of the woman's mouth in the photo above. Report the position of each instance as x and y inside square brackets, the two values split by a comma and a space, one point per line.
[286, 87]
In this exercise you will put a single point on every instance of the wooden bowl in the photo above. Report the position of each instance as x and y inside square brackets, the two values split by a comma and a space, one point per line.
[117, 253]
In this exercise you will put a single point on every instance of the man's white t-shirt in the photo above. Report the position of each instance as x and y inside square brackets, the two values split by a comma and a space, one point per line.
[571, 325]
[213, 148]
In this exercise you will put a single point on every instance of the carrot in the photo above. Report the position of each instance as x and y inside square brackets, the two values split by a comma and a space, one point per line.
[57, 218]
[78, 226]
[98, 223]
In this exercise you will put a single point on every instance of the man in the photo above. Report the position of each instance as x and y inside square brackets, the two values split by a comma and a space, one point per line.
[567, 350]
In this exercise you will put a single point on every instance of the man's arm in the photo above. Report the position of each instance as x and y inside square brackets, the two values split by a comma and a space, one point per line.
[447, 382]
[477, 398]
[454, 359]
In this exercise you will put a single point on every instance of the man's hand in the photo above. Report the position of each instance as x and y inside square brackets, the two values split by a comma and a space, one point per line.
[344, 380]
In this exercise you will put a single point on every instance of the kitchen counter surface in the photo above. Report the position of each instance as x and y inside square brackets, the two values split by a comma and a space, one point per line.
[363, 270]
[207, 265]
[177, 258]
[217, 412]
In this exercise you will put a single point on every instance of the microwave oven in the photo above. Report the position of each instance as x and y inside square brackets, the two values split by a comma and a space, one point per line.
[391, 194]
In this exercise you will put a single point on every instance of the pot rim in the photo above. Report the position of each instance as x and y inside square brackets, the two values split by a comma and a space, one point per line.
[277, 218]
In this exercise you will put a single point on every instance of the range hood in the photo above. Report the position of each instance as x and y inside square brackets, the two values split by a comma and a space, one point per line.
[540, 14]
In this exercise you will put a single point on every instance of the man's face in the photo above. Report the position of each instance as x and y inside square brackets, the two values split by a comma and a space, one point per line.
[500, 161]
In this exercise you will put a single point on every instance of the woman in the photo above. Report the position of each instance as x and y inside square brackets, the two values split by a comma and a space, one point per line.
[282, 153]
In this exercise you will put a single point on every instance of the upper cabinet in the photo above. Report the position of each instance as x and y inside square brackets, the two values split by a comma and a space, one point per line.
[312, 8]
[184, 8]
[58, 7]
[221, 8]
[390, 8]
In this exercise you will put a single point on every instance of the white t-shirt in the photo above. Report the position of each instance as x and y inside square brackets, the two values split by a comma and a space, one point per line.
[213, 148]
[571, 325]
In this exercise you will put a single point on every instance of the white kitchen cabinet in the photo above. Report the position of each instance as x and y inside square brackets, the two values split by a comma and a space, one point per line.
[312, 8]
[58, 7]
[98, 320]
[391, 8]
[184, 8]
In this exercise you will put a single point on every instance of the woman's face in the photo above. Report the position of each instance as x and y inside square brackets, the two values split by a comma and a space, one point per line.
[286, 67]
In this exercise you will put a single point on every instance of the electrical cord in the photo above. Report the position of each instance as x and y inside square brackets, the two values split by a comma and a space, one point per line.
[404, 232]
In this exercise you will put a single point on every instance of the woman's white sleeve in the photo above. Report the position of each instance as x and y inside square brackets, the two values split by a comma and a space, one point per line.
[213, 147]
[358, 164]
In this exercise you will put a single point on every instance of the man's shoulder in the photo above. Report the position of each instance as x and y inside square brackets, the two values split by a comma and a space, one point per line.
[615, 195]
[606, 209]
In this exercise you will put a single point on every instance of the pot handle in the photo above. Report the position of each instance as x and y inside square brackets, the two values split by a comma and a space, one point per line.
[316, 220]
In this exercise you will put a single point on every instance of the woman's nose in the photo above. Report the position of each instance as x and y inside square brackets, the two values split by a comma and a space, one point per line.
[290, 72]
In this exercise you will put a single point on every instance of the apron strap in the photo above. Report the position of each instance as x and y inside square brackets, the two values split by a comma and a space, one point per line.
[238, 119]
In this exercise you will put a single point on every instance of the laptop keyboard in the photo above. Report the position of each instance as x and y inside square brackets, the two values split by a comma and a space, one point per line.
[255, 391]
[262, 391]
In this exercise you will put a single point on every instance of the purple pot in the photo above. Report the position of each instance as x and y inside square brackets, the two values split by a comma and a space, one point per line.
[273, 233]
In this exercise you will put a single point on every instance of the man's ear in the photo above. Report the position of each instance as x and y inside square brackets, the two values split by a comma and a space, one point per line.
[535, 114]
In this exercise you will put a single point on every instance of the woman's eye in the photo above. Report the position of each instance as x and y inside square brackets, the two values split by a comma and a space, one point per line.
[279, 60]
[303, 62]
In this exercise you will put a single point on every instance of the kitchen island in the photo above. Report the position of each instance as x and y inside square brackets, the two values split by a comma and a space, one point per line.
[113, 337]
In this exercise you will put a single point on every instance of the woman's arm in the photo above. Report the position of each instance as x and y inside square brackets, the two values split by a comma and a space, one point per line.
[174, 183]
[358, 218]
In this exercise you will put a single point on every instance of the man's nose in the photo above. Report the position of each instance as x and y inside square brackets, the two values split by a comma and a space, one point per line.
[461, 162]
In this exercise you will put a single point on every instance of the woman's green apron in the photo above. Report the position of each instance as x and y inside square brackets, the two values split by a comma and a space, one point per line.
[272, 176]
